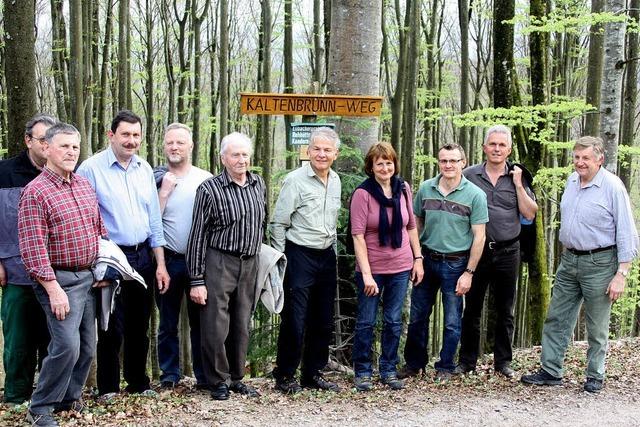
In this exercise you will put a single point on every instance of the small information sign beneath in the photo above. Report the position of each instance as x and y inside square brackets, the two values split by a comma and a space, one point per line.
[300, 132]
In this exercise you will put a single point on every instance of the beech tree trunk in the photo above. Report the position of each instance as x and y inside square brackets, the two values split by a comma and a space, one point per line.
[594, 72]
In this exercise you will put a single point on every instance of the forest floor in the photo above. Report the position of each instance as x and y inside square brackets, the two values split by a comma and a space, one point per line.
[482, 399]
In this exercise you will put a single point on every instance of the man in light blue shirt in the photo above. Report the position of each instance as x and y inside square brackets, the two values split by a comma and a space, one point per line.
[130, 209]
[600, 240]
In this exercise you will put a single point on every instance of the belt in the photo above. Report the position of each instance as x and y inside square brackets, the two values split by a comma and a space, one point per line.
[235, 253]
[592, 251]
[452, 256]
[134, 248]
[503, 244]
[72, 269]
[171, 253]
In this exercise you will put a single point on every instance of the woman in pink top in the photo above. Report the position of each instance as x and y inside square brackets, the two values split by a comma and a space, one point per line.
[388, 254]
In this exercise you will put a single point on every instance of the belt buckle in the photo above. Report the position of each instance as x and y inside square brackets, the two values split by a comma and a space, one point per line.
[492, 245]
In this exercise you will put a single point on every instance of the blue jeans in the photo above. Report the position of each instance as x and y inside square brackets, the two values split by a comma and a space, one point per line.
[392, 291]
[443, 275]
[169, 305]
[72, 346]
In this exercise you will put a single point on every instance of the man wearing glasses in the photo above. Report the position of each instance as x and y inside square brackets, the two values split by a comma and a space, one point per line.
[23, 322]
[451, 213]
[304, 228]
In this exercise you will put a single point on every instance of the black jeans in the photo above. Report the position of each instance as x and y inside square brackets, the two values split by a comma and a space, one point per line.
[499, 269]
[129, 323]
[310, 290]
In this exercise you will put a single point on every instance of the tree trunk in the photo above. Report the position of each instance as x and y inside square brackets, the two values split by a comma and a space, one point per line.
[58, 53]
[124, 56]
[397, 100]
[214, 92]
[167, 35]
[152, 150]
[612, 84]
[76, 71]
[412, 40]
[630, 99]
[263, 134]
[288, 73]
[197, 26]
[463, 19]
[594, 72]
[20, 70]
[503, 10]
[354, 67]
[104, 72]
[224, 67]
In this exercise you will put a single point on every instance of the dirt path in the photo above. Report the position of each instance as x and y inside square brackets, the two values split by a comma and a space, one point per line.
[481, 399]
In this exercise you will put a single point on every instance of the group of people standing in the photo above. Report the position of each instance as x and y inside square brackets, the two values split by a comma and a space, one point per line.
[190, 234]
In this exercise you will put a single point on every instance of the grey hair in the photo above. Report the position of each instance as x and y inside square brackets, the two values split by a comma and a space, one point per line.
[498, 129]
[235, 137]
[594, 142]
[177, 125]
[327, 133]
[45, 119]
[60, 128]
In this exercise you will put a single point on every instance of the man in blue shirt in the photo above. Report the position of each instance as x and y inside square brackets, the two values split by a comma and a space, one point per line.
[600, 241]
[130, 209]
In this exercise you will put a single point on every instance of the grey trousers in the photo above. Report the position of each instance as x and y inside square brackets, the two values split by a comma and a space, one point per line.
[72, 346]
[224, 320]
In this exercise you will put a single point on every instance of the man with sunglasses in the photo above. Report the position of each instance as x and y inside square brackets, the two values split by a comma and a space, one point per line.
[451, 213]
[23, 323]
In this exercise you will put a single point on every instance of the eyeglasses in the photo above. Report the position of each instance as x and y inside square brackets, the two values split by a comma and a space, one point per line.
[40, 140]
[449, 162]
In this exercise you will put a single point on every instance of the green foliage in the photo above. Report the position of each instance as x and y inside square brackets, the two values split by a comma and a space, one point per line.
[623, 311]
[565, 21]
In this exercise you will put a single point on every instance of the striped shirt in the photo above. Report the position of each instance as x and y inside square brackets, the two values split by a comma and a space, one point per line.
[59, 224]
[228, 217]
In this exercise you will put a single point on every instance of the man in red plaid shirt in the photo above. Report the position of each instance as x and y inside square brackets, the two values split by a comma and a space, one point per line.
[59, 226]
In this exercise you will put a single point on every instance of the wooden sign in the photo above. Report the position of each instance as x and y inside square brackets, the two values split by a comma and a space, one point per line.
[310, 105]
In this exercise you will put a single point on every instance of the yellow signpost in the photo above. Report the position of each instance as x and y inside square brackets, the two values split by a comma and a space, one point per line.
[310, 105]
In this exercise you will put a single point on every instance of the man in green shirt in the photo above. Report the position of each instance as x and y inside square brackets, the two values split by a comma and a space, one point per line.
[304, 228]
[451, 213]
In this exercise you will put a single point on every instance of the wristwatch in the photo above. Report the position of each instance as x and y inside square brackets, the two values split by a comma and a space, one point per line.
[624, 273]
[415, 258]
[470, 271]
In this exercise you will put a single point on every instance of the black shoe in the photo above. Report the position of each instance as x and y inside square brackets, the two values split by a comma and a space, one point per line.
[318, 382]
[506, 371]
[288, 385]
[76, 406]
[46, 420]
[463, 368]
[244, 389]
[393, 382]
[363, 383]
[168, 385]
[541, 377]
[407, 372]
[593, 385]
[220, 392]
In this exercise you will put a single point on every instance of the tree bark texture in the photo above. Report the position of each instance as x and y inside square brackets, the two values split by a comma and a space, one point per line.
[503, 10]
[76, 78]
[630, 98]
[223, 59]
[288, 74]
[354, 67]
[20, 70]
[124, 56]
[594, 72]
[610, 102]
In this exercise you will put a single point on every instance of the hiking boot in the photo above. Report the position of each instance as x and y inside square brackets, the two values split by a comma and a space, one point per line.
[41, 420]
[363, 383]
[407, 372]
[462, 369]
[318, 382]
[506, 371]
[393, 382]
[541, 377]
[220, 391]
[593, 385]
[168, 385]
[443, 376]
[244, 389]
[288, 385]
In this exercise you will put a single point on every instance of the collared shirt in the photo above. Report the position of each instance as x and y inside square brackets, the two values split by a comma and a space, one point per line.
[228, 217]
[306, 212]
[502, 201]
[59, 224]
[598, 215]
[128, 198]
[15, 174]
[448, 219]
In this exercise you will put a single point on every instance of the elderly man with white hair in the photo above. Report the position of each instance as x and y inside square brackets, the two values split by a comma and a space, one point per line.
[600, 241]
[229, 217]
